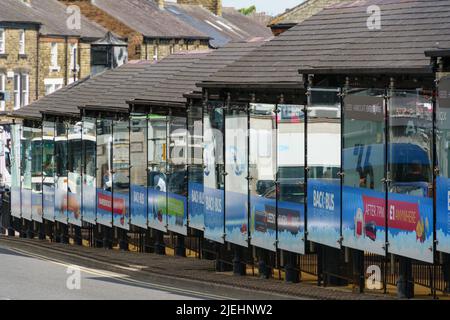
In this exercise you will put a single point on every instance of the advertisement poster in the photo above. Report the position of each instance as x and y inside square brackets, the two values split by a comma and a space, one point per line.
[236, 183]
[15, 172]
[139, 206]
[36, 206]
[364, 219]
[121, 210]
[26, 204]
[443, 214]
[177, 213]
[157, 210]
[74, 200]
[291, 226]
[214, 215]
[263, 219]
[61, 200]
[410, 226]
[196, 206]
[89, 199]
[49, 201]
[104, 207]
[324, 212]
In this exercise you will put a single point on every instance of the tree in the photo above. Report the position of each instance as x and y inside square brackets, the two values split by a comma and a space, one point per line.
[248, 11]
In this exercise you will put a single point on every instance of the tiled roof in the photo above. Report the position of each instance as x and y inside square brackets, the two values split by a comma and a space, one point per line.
[172, 89]
[145, 17]
[232, 26]
[51, 14]
[338, 40]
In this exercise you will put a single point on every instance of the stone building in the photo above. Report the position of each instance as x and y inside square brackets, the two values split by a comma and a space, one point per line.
[40, 52]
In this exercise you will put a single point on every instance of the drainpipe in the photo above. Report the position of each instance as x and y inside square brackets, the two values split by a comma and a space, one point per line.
[38, 49]
[66, 48]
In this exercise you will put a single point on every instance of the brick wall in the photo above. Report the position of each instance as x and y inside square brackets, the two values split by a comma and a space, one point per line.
[164, 47]
[11, 62]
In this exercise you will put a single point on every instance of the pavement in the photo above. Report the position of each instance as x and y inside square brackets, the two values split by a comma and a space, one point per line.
[167, 277]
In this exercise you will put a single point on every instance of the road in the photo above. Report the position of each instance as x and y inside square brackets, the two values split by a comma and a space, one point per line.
[24, 277]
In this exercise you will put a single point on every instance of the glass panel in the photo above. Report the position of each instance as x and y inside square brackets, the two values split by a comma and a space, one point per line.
[89, 144]
[213, 169]
[410, 166]
[61, 172]
[16, 177]
[27, 133]
[36, 175]
[262, 173]
[324, 164]
[291, 178]
[138, 176]
[443, 160]
[236, 183]
[74, 167]
[48, 159]
[364, 195]
[157, 162]
[195, 169]
[104, 172]
[121, 174]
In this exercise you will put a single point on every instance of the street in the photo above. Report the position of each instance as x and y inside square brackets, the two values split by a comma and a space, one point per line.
[24, 277]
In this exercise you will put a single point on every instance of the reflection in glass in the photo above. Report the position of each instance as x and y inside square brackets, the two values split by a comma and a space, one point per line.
[74, 168]
[48, 169]
[291, 177]
[16, 174]
[157, 172]
[121, 174]
[138, 177]
[443, 161]
[212, 172]
[324, 163]
[36, 174]
[262, 172]
[363, 211]
[236, 183]
[195, 168]
[26, 171]
[89, 170]
[104, 172]
[61, 171]
[410, 166]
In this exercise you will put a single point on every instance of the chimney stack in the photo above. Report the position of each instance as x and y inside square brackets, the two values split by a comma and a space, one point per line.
[215, 6]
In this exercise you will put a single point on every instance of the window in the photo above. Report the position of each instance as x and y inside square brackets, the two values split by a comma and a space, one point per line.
[21, 90]
[2, 41]
[52, 85]
[54, 56]
[2, 89]
[155, 53]
[22, 42]
[74, 57]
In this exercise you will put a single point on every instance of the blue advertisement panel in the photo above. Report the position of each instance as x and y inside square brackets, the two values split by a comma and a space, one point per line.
[291, 226]
[410, 226]
[89, 199]
[443, 214]
[263, 217]
[49, 202]
[324, 211]
[104, 207]
[236, 218]
[177, 213]
[139, 201]
[214, 214]
[364, 219]
[157, 210]
[196, 206]
[121, 210]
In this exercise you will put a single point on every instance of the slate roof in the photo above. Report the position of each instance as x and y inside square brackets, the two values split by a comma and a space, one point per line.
[337, 40]
[67, 100]
[145, 17]
[172, 89]
[233, 26]
[118, 94]
[51, 14]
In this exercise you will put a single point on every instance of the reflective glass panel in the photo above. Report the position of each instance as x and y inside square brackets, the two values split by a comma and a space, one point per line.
[89, 170]
[104, 172]
[74, 168]
[61, 172]
[16, 176]
[27, 133]
[36, 175]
